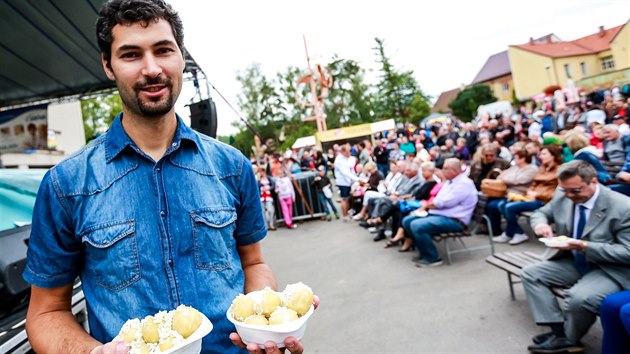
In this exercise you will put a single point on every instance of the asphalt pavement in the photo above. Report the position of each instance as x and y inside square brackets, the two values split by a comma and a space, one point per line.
[374, 300]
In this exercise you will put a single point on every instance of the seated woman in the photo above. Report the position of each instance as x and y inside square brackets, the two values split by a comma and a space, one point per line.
[425, 193]
[539, 192]
[517, 178]
[615, 317]
[369, 185]
[579, 145]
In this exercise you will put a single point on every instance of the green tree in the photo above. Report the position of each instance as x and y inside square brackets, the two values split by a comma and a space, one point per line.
[465, 105]
[398, 93]
[349, 101]
[98, 114]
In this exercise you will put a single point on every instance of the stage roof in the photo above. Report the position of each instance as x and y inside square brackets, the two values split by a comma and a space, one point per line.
[48, 50]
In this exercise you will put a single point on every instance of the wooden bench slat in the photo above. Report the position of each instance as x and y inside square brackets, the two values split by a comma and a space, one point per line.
[510, 268]
[513, 263]
[514, 259]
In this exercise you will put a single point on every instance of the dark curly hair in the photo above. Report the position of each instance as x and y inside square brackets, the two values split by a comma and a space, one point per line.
[127, 12]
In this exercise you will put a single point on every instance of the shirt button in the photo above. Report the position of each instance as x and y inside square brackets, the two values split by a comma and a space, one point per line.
[162, 213]
[158, 169]
[174, 144]
[170, 262]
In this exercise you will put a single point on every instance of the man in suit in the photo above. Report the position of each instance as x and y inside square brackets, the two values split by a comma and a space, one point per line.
[594, 262]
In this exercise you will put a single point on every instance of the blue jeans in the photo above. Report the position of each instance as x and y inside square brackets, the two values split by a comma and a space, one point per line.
[623, 188]
[421, 230]
[510, 211]
[494, 213]
[615, 316]
[323, 200]
[383, 168]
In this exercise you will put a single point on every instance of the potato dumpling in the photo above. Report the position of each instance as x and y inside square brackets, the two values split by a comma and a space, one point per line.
[257, 320]
[298, 297]
[186, 320]
[167, 343]
[282, 315]
[242, 307]
[130, 331]
[150, 330]
[266, 302]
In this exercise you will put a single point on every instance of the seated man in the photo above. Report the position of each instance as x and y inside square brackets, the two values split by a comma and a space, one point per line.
[488, 167]
[623, 177]
[383, 207]
[594, 263]
[450, 211]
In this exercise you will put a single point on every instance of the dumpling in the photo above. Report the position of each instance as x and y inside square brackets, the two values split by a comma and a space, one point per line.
[150, 332]
[282, 315]
[242, 307]
[257, 320]
[186, 320]
[298, 297]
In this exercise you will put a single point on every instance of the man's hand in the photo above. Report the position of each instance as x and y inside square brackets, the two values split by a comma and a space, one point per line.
[291, 343]
[111, 348]
[572, 244]
[543, 230]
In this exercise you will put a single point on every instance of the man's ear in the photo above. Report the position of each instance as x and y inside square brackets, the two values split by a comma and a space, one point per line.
[107, 68]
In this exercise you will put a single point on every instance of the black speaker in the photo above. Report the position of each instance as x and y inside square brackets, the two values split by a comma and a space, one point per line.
[203, 117]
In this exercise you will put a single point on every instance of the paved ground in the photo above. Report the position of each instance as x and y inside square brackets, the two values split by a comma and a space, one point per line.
[374, 300]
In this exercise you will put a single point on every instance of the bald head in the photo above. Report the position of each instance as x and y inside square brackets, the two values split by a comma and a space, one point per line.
[452, 168]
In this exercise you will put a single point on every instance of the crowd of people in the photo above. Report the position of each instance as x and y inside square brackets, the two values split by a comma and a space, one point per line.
[412, 183]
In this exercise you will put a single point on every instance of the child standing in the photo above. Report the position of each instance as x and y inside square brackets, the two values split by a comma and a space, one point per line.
[266, 185]
[324, 192]
[286, 195]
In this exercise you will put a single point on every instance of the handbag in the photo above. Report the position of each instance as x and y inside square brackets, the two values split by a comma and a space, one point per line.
[409, 205]
[327, 192]
[493, 188]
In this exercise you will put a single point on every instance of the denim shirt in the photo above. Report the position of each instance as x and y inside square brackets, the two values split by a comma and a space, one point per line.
[147, 236]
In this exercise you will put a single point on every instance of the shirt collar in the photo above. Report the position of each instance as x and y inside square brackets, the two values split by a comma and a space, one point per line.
[117, 139]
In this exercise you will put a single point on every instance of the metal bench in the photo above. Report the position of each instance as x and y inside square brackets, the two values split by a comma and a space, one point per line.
[458, 237]
[513, 262]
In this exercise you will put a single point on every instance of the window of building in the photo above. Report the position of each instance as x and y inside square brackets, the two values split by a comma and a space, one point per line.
[567, 70]
[505, 87]
[583, 68]
[608, 63]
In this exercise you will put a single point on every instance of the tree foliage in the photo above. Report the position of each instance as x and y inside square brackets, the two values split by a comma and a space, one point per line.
[465, 105]
[271, 105]
[398, 94]
[99, 113]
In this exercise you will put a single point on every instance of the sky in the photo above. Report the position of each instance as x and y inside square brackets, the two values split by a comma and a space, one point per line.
[445, 42]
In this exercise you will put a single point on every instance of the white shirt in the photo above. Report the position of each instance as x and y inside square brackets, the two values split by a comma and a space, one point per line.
[534, 131]
[344, 171]
[589, 204]
[624, 129]
[595, 115]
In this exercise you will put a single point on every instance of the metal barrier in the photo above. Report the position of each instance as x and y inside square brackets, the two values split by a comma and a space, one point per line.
[308, 199]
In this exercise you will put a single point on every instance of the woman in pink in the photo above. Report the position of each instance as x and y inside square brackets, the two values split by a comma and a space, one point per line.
[286, 195]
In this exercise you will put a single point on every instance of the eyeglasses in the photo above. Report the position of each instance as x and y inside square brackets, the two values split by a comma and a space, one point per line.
[571, 190]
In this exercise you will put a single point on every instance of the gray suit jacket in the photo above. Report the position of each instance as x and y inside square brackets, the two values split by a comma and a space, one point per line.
[607, 230]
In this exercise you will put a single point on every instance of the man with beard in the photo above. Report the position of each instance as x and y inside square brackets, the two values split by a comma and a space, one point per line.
[150, 215]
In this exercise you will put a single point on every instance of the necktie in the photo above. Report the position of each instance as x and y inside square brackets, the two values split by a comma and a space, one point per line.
[579, 258]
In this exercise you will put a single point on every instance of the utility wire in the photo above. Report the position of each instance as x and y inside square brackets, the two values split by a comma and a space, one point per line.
[235, 111]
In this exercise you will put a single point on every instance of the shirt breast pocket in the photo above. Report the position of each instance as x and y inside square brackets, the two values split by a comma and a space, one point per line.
[111, 254]
[213, 230]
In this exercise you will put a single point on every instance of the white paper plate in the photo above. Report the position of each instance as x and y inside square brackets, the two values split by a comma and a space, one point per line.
[553, 242]
[276, 333]
[192, 344]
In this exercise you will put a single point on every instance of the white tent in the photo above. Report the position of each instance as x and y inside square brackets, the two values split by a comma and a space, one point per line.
[304, 142]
